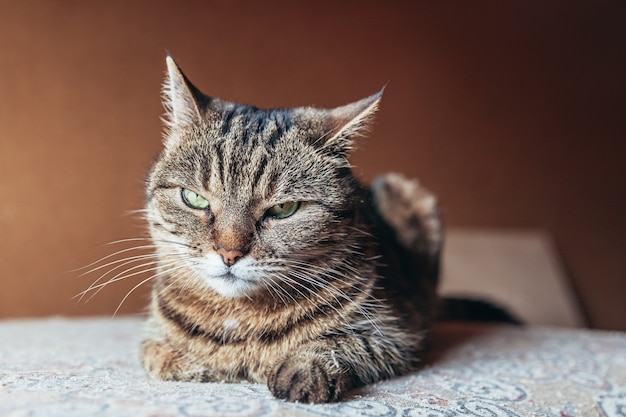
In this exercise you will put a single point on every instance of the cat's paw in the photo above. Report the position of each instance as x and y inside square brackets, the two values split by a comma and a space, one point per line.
[305, 379]
[163, 362]
[412, 211]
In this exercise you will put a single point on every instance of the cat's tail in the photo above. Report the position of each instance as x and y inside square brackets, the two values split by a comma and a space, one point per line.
[412, 212]
[474, 310]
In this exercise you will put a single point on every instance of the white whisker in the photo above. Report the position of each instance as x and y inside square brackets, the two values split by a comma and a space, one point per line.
[142, 247]
[304, 272]
[169, 271]
[122, 262]
[125, 275]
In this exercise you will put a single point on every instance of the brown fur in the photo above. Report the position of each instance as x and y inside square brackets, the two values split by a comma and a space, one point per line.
[337, 295]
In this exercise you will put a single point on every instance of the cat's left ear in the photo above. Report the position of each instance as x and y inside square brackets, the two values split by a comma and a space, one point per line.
[347, 122]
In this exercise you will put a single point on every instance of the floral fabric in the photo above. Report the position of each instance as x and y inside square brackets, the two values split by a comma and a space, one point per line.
[89, 367]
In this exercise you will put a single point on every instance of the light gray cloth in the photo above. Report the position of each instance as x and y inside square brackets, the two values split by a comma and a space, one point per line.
[89, 367]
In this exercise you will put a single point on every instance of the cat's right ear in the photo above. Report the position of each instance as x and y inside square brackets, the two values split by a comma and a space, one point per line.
[181, 99]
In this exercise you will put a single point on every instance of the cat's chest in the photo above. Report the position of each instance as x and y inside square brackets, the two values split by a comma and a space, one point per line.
[231, 323]
[238, 339]
[237, 347]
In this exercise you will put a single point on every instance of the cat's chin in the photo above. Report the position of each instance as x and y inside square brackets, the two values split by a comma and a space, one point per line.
[230, 286]
[234, 282]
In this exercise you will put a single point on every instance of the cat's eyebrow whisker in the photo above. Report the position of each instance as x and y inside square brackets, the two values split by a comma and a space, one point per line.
[325, 134]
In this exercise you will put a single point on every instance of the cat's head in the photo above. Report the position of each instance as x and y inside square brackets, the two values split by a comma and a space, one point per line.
[242, 199]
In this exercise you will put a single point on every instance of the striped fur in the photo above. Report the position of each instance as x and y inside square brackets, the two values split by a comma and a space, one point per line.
[337, 295]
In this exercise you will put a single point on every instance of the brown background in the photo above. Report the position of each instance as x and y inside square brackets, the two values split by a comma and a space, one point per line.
[513, 112]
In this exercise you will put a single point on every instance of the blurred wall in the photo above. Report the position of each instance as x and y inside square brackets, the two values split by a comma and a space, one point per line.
[513, 112]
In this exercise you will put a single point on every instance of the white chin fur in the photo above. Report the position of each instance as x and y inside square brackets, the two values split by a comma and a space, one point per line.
[236, 281]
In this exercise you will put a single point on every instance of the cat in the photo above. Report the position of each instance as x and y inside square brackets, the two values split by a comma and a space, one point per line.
[276, 265]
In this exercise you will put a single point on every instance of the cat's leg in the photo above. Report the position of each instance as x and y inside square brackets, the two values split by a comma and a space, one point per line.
[162, 361]
[324, 370]
[307, 377]
[412, 212]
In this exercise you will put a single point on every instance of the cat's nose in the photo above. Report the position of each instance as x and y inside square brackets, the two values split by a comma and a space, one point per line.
[229, 256]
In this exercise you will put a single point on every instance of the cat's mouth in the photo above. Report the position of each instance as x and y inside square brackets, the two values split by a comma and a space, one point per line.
[229, 276]
[230, 281]
[230, 285]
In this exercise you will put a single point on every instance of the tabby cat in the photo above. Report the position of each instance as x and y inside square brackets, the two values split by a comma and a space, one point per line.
[275, 265]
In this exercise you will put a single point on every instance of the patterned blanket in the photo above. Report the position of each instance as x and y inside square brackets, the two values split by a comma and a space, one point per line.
[89, 367]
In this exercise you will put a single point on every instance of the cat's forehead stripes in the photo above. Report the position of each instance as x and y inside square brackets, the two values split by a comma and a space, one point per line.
[239, 156]
[250, 126]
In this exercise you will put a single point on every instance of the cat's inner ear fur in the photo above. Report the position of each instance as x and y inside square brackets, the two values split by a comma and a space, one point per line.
[346, 122]
[181, 99]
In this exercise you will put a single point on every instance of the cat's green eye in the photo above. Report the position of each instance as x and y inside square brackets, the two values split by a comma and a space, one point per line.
[282, 211]
[194, 200]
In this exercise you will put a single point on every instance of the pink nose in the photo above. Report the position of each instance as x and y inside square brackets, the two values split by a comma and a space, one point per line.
[229, 256]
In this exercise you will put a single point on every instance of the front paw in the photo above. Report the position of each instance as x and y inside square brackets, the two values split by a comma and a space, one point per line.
[162, 361]
[306, 379]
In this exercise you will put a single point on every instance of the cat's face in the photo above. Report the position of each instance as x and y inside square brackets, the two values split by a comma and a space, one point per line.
[242, 200]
